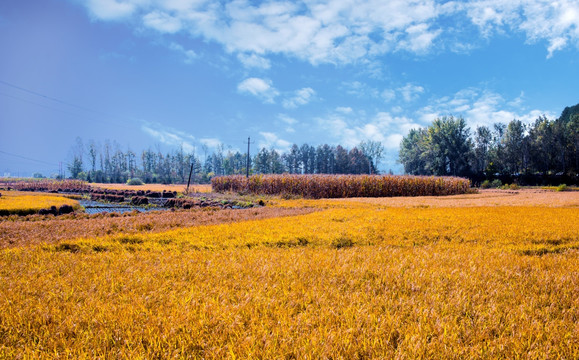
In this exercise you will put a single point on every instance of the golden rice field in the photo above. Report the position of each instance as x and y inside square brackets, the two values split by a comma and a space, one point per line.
[24, 203]
[483, 276]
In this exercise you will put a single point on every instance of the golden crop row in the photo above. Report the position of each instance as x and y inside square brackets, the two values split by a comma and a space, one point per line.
[342, 186]
[24, 203]
[517, 229]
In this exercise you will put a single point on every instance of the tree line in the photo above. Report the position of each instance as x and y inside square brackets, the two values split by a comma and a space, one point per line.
[110, 164]
[542, 152]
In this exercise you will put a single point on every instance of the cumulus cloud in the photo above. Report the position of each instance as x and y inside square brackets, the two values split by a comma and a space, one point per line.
[254, 61]
[344, 109]
[343, 32]
[300, 97]
[261, 88]
[210, 142]
[480, 107]
[272, 141]
[288, 122]
[111, 9]
[351, 128]
[169, 136]
[410, 92]
[190, 55]
[332, 31]
[162, 22]
[556, 22]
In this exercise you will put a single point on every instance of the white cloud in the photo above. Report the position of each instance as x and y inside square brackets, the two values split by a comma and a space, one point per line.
[360, 89]
[388, 95]
[169, 136]
[260, 88]
[481, 107]
[344, 109]
[349, 129]
[347, 31]
[410, 92]
[271, 140]
[419, 38]
[286, 119]
[556, 22]
[333, 31]
[162, 22]
[111, 9]
[190, 55]
[289, 122]
[210, 142]
[254, 61]
[300, 97]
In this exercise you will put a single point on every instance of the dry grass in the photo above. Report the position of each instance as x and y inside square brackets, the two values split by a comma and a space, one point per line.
[489, 276]
[24, 203]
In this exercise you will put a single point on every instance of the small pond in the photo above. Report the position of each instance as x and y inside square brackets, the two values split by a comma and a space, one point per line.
[95, 207]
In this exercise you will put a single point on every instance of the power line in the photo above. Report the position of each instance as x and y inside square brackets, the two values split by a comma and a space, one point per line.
[27, 158]
[51, 98]
[58, 101]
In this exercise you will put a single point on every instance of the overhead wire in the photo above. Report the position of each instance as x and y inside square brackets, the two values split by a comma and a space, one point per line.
[32, 92]
[28, 158]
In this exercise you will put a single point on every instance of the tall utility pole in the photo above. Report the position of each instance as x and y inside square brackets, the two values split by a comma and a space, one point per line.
[190, 173]
[247, 162]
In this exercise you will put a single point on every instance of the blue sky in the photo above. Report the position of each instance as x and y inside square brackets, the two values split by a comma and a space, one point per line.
[165, 73]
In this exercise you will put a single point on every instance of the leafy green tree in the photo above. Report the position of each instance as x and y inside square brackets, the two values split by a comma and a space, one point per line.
[482, 145]
[341, 165]
[449, 147]
[412, 150]
[514, 142]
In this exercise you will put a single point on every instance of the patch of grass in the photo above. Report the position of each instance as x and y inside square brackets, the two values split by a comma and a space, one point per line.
[562, 187]
[66, 247]
[342, 242]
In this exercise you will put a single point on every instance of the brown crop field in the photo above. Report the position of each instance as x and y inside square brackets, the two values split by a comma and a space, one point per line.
[342, 186]
[485, 276]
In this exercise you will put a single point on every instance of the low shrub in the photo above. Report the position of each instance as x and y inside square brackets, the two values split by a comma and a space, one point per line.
[135, 181]
[562, 187]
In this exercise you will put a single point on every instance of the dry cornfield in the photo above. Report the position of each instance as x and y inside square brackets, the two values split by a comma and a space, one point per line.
[488, 275]
[44, 184]
[341, 186]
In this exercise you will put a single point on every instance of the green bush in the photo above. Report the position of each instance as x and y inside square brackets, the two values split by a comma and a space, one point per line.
[496, 183]
[135, 181]
[562, 187]
[485, 184]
